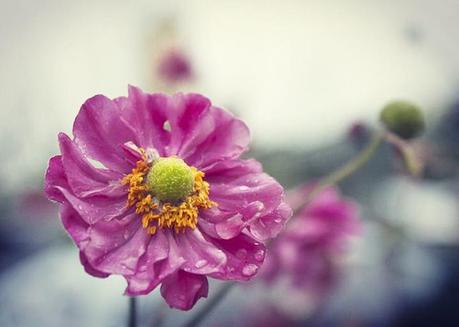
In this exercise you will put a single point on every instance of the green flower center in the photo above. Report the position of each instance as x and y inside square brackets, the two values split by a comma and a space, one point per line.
[170, 179]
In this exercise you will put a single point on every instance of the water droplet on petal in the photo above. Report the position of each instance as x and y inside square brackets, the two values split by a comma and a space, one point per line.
[249, 270]
[243, 188]
[241, 253]
[200, 263]
[259, 255]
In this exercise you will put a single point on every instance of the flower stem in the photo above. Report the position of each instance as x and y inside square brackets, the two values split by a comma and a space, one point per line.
[211, 304]
[349, 168]
[132, 318]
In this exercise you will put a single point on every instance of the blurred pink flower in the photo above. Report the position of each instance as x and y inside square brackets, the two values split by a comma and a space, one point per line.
[126, 222]
[32, 204]
[175, 67]
[304, 252]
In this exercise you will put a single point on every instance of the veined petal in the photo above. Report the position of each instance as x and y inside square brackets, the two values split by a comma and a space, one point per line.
[116, 246]
[202, 256]
[173, 289]
[83, 178]
[161, 259]
[244, 257]
[100, 131]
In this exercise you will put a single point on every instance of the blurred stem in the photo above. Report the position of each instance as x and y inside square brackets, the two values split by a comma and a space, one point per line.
[211, 304]
[349, 168]
[132, 318]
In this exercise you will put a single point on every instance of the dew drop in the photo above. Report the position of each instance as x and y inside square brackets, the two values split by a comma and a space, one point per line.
[243, 188]
[259, 255]
[249, 270]
[241, 253]
[200, 263]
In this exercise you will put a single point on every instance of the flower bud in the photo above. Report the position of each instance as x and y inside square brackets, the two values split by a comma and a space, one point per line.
[403, 119]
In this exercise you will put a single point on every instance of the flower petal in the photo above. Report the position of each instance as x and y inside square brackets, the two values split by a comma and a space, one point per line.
[100, 131]
[95, 208]
[244, 257]
[202, 256]
[147, 113]
[83, 178]
[245, 197]
[90, 269]
[75, 226]
[217, 136]
[182, 290]
[54, 178]
[270, 225]
[161, 259]
[186, 125]
[116, 246]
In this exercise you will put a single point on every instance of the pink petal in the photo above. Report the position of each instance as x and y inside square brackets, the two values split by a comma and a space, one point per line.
[116, 246]
[83, 178]
[161, 259]
[54, 178]
[100, 131]
[76, 227]
[90, 269]
[185, 125]
[244, 257]
[202, 256]
[147, 113]
[246, 198]
[95, 208]
[182, 290]
[217, 136]
[270, 225]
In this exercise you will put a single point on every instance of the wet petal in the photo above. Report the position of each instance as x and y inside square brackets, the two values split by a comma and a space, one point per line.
[244, 257]
[84, 179]
[54, 178]
[147, 113]
[217, 136]
[116, 246]
[161, 259]
[95, 208]
[100, 131]
[182, 290]
[202, 257]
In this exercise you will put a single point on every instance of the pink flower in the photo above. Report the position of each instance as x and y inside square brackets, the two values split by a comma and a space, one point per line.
[152, 188]
[304, 252]
[174, 67]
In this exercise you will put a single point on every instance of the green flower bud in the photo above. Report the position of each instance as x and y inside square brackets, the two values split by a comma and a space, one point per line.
[403, 119]
[170, 179]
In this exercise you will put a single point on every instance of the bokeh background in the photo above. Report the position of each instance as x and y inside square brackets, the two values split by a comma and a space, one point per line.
[308, 77]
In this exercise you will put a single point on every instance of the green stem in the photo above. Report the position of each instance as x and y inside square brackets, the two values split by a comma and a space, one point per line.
[349, 168]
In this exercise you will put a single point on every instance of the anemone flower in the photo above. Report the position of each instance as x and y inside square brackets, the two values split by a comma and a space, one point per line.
[152, 188]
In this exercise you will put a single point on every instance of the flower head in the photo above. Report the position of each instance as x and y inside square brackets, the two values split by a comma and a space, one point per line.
[152, 188]
[304, 252]
[174, 67]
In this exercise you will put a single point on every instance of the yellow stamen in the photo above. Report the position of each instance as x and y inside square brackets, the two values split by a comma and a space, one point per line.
[156, 214]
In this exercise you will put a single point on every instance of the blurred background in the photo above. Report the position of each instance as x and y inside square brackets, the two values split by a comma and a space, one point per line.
[308, 77]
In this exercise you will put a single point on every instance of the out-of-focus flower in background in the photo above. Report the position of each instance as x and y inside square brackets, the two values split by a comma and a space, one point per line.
[174, 66]
[308, 252]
